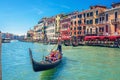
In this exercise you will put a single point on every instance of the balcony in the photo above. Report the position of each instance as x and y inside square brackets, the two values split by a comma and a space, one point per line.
[104, 22]
[115, 21]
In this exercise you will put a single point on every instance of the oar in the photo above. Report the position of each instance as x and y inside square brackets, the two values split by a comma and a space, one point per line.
[30, 53]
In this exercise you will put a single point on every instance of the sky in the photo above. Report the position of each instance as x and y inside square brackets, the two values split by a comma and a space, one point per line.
[18, 16]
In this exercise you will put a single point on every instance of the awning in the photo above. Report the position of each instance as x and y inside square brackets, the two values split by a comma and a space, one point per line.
[118, 37]
[95, 37]
[87, 38]
[112, 38]
[103, 37]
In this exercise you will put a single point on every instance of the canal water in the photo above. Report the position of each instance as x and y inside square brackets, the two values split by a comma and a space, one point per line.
[79, 63]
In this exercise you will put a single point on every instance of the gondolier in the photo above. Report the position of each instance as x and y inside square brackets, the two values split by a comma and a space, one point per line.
[59, 47]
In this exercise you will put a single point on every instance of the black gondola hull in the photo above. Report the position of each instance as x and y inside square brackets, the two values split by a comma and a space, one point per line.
[44, 65]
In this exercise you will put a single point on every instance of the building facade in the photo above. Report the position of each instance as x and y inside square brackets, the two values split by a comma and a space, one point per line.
[110, 21]
[65, 26]
[86, 22]
[96, 21]
[50, 29]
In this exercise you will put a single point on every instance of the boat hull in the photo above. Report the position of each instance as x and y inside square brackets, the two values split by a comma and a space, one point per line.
[44, 65]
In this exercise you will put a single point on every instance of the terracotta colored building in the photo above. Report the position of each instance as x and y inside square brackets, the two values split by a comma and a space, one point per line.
[86, 22]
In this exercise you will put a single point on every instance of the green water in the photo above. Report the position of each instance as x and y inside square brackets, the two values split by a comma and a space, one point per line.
[79, 63]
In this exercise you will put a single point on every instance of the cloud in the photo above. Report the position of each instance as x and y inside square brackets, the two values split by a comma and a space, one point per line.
[60, 5]
[38, 11]
[64, 6]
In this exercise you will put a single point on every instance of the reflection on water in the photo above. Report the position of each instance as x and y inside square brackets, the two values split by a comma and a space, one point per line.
[79, 63]
[48, 75]
[52, 74]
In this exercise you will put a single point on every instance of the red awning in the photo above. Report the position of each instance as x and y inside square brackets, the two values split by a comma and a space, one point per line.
[103, 37]
[112, 38]
[95, 37]
[87, 38]
[118, 37]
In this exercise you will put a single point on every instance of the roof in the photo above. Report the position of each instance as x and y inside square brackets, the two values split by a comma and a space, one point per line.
[101, 6]
[115, 4]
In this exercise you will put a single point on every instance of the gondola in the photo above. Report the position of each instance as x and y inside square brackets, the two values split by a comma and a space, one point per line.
[44, 65]
[74, 44]
[66, 44]
[114, 46]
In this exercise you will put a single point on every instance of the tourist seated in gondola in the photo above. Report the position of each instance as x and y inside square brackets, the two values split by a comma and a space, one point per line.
[54, 55]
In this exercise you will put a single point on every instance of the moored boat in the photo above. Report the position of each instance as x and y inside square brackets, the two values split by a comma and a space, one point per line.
[6, 40]
[67, 44]
[74, 44]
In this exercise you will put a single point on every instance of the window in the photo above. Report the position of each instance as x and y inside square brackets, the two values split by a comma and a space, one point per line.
[96, 30]
[84, 27]
[84, 15]
[79, 22]
[90, 30]
[74, 28]
[74, 17]
[102, 18]
[87, 31]
[106, 17]
[71, 28]
[91, 22]
[87, 21]
[87, 14]
[115, 15]
[96, 21]
[96, 12]
[79, 28]
[106, 28]
[74, 33]
[75, 22]
[99, 29]
[80, 16]
[102, 29]
[91, 13]
[71, 23]
[79, 32]
[84, 21]
[115, 27]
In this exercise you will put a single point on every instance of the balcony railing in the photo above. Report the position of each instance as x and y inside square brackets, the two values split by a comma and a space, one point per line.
[115, 21]
[104, 22]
